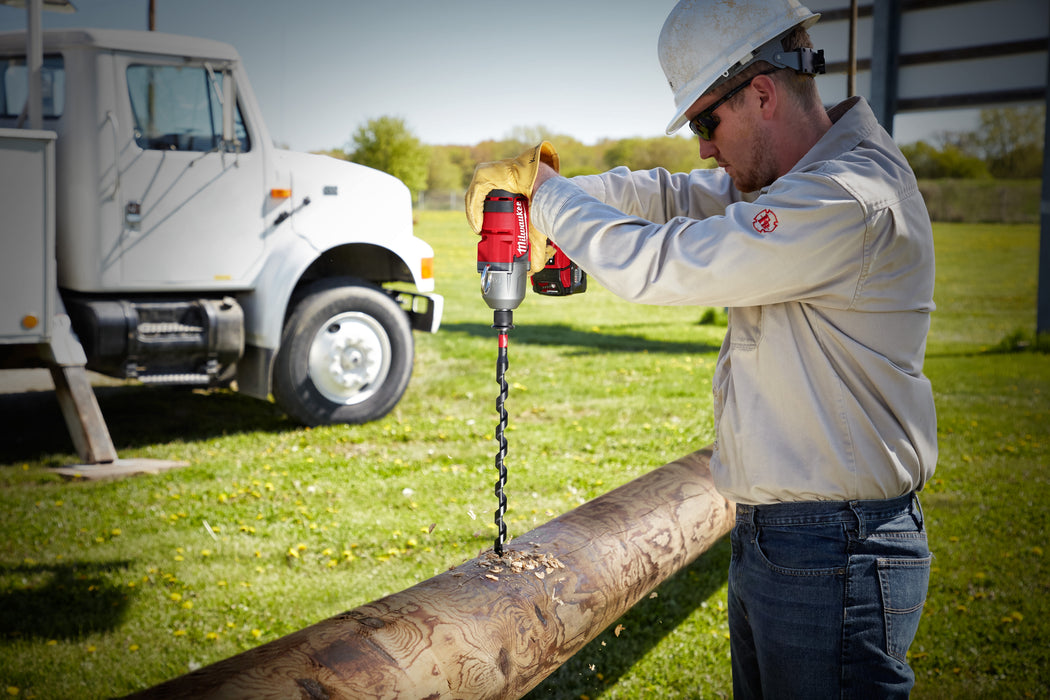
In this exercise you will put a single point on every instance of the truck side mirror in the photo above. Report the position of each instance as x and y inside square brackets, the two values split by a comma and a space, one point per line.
[227, 98]
[229, 112]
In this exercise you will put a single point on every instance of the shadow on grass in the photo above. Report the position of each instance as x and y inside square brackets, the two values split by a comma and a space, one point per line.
[136, 416]
[644, 626]
[589, 343]
[67, 601]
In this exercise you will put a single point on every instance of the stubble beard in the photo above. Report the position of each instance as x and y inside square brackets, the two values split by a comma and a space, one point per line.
[760, 170]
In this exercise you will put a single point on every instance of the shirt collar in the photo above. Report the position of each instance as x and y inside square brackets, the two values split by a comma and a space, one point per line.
[852, 122]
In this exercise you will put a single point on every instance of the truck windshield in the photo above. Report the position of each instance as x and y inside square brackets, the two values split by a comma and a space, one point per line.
[14, 87]
[177, 109]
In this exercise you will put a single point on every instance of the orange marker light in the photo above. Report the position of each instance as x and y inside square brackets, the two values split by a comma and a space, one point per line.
[29, 322]
[281, 192]
[427, 268]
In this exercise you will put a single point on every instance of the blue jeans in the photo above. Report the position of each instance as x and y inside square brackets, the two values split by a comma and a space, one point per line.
[825, 598]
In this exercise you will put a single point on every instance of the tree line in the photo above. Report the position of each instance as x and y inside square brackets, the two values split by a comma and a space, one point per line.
[1008, 144]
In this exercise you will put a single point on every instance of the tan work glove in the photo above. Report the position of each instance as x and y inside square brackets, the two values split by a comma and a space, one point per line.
[515, 175]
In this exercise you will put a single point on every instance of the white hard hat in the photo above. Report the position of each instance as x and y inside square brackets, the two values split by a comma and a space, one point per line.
[703, 41]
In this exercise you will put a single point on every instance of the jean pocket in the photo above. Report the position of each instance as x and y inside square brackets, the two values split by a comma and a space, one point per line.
[813, 550]
[903, 583]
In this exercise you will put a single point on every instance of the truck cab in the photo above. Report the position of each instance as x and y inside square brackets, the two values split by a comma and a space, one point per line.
[190, 250]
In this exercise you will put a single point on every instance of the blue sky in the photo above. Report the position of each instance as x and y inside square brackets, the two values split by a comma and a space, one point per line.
[457, 71]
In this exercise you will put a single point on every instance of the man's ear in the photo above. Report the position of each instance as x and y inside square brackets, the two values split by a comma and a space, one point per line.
[767, 91]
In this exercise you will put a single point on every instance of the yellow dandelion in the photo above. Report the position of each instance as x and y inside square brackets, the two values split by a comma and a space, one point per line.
[256, 633]
[179, 633]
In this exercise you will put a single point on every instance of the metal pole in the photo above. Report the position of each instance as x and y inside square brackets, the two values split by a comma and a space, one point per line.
[851, 76]
[1042, 323]
[34, 64]
[886, 29]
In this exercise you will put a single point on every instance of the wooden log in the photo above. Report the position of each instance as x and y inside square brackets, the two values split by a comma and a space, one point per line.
[491, 627]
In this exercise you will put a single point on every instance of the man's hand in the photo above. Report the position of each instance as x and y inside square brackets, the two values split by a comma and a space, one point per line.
[517, 175]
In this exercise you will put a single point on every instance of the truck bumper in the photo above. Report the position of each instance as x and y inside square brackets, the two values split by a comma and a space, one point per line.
[424, 310]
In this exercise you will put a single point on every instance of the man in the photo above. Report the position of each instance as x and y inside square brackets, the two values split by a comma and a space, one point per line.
[813, 233]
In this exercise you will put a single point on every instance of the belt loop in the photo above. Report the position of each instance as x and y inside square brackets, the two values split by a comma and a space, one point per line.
[920, 517]
[861, 530]
[746, 514]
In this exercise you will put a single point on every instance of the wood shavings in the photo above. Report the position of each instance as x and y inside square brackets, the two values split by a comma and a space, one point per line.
[520, 562]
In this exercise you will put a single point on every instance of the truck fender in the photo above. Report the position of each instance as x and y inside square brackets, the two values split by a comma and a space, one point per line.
[268, 304]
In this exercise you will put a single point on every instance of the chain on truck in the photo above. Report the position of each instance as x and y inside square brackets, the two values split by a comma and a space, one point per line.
[153, 231]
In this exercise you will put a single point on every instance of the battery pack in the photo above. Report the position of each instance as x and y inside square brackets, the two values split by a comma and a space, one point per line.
[560, 276]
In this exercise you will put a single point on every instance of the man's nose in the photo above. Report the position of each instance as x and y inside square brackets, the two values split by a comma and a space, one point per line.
[707, 149]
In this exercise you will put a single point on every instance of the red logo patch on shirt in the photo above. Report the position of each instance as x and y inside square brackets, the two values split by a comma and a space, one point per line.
[765, 221]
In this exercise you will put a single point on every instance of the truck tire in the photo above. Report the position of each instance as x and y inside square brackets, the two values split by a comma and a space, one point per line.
[345, 357]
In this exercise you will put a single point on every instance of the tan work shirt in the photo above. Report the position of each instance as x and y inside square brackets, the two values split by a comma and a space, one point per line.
[828, 275]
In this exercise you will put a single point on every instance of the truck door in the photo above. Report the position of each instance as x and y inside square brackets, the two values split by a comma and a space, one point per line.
[190, 202]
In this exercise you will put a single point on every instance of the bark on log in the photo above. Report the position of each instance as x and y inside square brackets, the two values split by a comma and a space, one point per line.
[491, 628]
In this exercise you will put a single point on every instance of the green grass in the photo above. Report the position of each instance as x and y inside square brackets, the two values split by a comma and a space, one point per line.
[109, 587]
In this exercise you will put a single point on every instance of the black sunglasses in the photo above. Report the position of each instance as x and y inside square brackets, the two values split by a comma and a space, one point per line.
[703, 124]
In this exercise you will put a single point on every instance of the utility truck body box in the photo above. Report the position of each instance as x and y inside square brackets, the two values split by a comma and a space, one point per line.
[27, 262]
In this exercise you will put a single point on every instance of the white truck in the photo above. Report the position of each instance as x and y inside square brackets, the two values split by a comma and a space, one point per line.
[151, 230]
